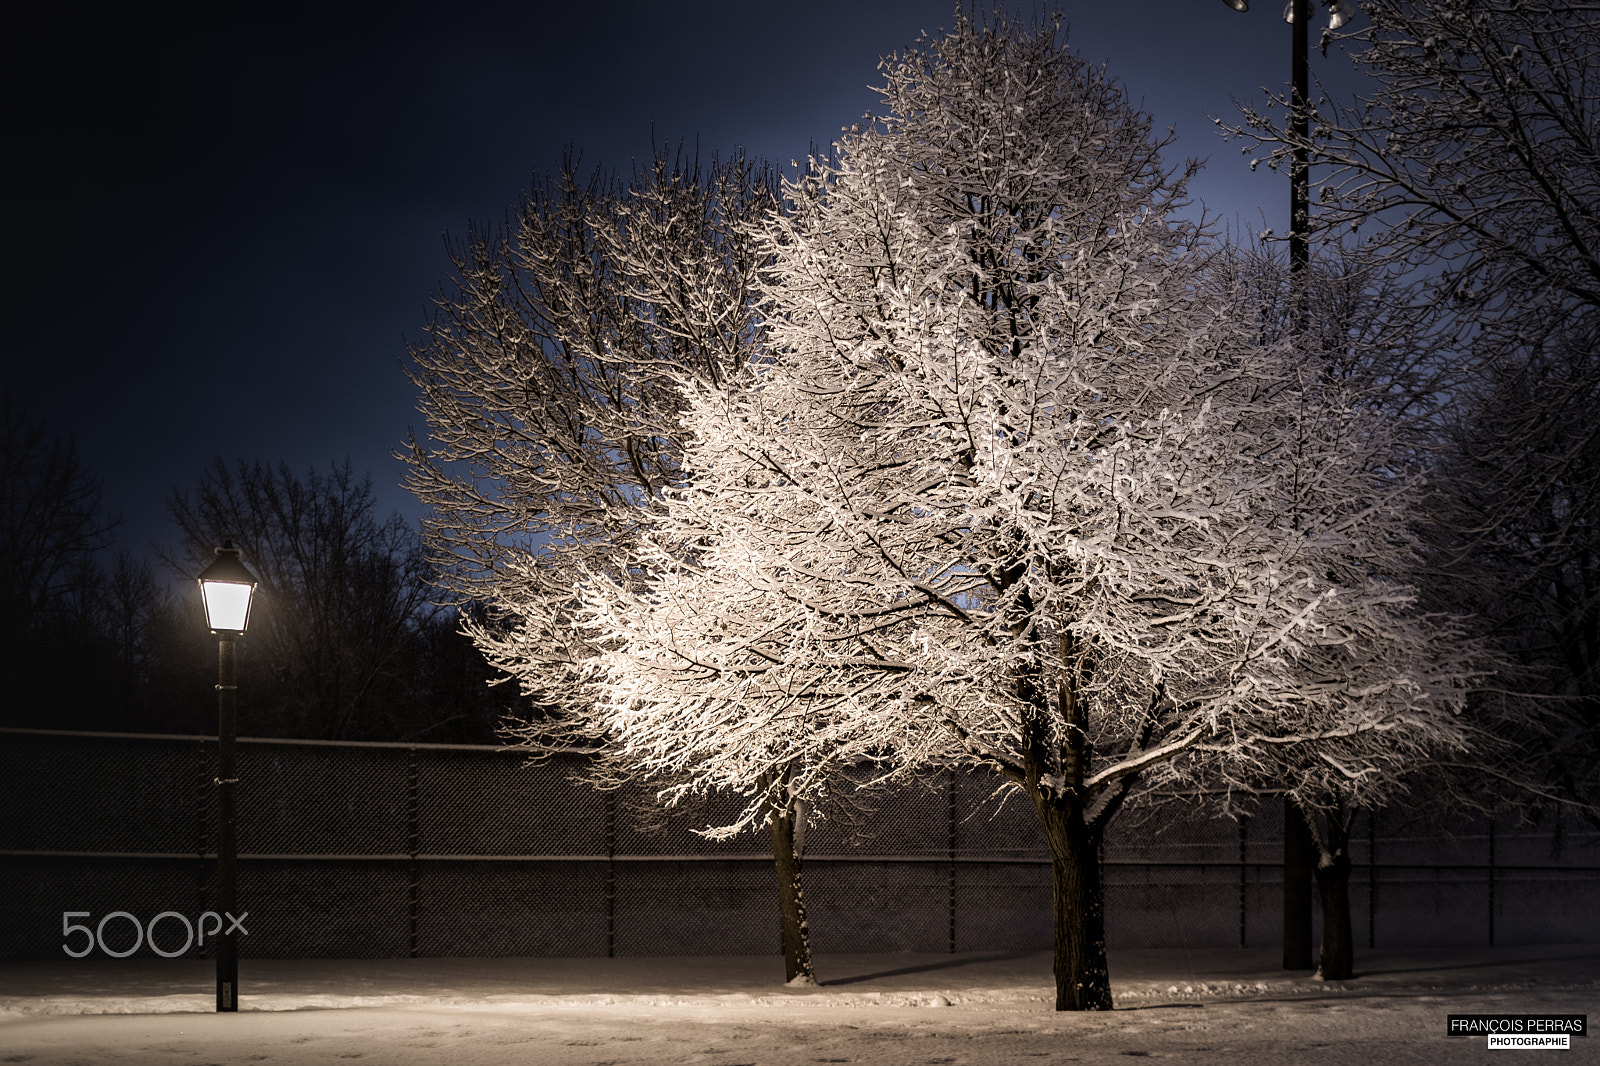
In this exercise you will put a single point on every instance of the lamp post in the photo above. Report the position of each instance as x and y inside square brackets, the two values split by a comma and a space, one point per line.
[1298, 15]
[1298, 861]
[226, 589]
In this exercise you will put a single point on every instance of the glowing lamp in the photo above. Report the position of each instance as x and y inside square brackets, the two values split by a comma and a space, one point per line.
[227, 588]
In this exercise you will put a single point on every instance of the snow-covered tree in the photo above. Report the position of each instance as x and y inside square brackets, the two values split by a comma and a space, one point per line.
[547, 376]
[1012, 489]
[550, 383]
[1475, 159]
[1370, 335]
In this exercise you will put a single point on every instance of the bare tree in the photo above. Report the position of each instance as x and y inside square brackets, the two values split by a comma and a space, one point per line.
[50, 519]
[342, 591]
[129, 596]
[51, 527]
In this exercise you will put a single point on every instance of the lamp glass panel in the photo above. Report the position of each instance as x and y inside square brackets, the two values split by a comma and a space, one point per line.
[227, 604]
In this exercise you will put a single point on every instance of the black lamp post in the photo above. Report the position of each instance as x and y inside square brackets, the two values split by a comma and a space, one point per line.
[226, 588]
[1298, 15]
[1298, 861]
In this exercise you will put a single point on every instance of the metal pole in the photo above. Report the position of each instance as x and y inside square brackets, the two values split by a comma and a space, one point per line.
[227, 846]
[950, 845]
[1297, 934]
[611, 874]
[1300, 175]
[414, 848]
[1244, 831]
[202, 825]
[1491, 880]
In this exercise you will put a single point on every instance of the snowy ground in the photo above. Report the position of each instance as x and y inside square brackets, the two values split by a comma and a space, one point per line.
[1211, 1006]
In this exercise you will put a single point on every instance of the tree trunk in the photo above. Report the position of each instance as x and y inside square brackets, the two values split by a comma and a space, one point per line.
[797, 967]
[1083, 980]
[1333, 884]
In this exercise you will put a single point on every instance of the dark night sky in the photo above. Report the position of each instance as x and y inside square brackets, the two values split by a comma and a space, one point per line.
[225, 225]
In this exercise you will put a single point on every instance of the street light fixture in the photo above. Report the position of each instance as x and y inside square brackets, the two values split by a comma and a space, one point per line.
[226, 589]
[1340, 12]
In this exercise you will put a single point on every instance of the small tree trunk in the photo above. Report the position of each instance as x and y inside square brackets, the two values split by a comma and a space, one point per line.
[1333, 885]
[797, 967]
[1083, 980]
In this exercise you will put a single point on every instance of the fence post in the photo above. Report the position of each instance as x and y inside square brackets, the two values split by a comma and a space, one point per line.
[413, 845]
[1491, 880]
[611, 873]
[951, 848]
[202, 791]
[1244, 829]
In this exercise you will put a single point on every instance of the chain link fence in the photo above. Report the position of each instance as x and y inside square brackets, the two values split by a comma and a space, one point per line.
[392, 850]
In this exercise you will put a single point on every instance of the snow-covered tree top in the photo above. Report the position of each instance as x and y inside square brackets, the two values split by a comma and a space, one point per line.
[1011, 485]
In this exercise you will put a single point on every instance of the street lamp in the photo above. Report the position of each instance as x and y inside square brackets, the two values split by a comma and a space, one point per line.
[1297, 859]
[226, 589]
[1339, 11]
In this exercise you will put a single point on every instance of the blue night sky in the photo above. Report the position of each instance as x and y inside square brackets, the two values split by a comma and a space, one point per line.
[224, 230]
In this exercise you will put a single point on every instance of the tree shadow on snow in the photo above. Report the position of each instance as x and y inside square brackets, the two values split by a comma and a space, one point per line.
[943, 964]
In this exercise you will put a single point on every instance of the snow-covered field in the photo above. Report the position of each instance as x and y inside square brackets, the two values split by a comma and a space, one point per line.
[1211, 1006]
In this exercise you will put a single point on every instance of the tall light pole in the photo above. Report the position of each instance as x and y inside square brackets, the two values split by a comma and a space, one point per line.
[226, 589]
[1298, 861]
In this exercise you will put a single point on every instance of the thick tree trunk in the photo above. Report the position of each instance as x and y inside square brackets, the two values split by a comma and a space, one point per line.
[1333, 884]
[797, 967]
[1083, 980]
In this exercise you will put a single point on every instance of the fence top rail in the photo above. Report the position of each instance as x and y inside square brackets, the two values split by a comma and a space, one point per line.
[402, 745]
